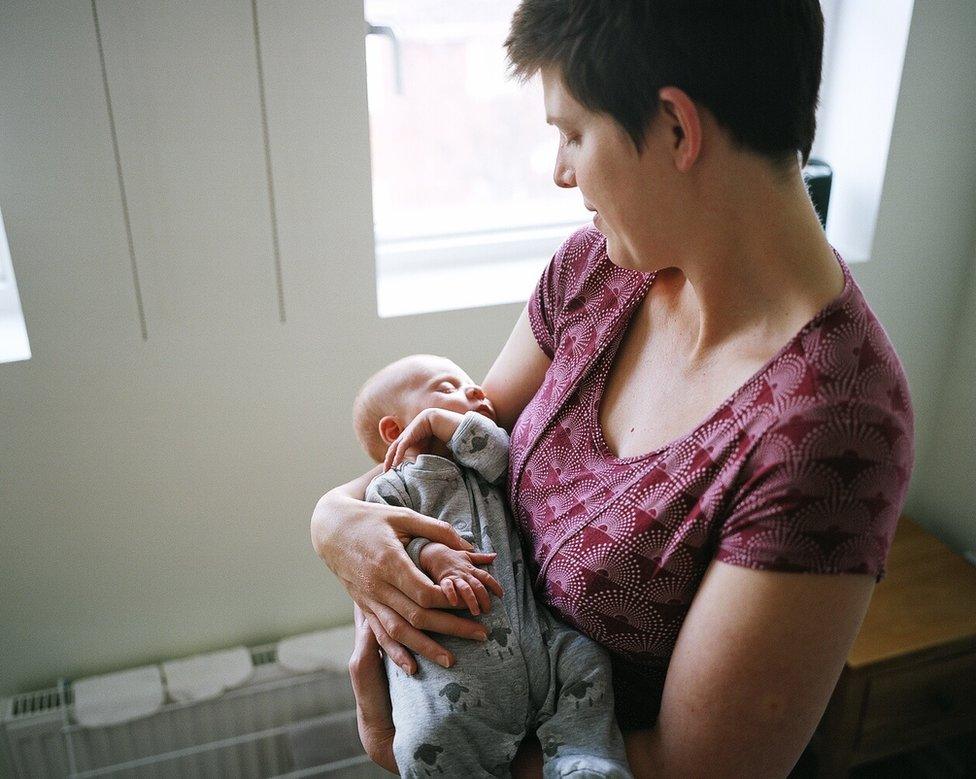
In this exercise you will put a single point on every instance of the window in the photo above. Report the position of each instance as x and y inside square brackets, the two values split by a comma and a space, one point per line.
[464, 207]
[465, 210]
[13, 332]
[864, 50]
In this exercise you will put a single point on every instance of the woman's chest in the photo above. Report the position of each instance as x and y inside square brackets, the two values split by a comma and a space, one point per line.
[599, 523]
[652, 394]
[618, 548]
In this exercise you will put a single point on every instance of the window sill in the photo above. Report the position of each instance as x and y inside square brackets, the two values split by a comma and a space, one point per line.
[444, 273]
[446, 288]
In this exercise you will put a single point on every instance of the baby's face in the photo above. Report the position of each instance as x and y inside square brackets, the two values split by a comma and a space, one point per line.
[439, 383]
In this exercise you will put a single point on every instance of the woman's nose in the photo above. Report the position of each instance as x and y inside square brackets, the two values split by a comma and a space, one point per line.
[564, 175]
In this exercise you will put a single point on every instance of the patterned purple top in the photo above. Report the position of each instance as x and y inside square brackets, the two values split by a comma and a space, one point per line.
[803, 468]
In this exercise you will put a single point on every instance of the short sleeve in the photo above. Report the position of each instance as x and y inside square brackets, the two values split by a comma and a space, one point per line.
[821, 492]
[548, 301]
[544, 305]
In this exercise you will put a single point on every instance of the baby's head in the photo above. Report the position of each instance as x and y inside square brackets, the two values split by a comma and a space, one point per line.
[393, 396]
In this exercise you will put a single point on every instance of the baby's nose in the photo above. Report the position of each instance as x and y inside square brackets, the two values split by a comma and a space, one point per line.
[475, 392]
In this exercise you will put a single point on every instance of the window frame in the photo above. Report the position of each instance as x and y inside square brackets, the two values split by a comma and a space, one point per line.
[447, 266]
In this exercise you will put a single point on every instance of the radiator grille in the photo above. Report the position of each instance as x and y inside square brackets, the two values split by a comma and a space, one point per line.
[37, 702]
[278, 723]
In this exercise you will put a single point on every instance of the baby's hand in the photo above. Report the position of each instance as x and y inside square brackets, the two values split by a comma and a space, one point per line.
[430, 423]
[457, 573]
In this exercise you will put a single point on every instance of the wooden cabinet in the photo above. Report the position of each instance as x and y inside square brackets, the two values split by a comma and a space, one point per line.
[910, 678]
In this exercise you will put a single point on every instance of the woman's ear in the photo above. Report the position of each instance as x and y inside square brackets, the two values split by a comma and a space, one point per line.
[389, 429]
[684, 122]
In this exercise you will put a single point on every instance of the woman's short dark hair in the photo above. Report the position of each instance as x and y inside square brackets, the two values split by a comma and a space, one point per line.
[754, 64]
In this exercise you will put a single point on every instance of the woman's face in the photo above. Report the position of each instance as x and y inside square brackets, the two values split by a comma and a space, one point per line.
[624, 189]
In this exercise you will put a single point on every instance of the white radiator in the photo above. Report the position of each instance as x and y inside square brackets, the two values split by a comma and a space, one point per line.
[278, 724]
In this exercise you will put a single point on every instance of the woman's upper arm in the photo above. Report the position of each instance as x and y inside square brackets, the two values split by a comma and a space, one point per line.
[755, 663]
[517, 373]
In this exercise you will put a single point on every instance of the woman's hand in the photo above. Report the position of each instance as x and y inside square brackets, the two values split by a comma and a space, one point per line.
[363, 545]
[374, 712]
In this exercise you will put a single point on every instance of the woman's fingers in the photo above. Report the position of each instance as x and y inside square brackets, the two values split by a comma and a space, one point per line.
[365, 650]
[432, 619]
[482, 558]
[367, 673]
[394, 650]
[398, 631]
[411, 524]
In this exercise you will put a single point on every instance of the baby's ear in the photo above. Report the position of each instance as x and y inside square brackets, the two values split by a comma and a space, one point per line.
[389, 429]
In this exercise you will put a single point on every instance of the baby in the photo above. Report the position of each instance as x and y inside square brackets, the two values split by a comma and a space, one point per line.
[533, 671]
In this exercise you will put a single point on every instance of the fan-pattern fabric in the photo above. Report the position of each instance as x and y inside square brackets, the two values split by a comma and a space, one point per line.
[804, 468]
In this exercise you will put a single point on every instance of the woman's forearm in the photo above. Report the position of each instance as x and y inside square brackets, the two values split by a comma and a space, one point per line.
[357, 487]
[326, 511]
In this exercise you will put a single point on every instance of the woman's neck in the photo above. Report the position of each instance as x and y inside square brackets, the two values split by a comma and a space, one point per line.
[759, 267]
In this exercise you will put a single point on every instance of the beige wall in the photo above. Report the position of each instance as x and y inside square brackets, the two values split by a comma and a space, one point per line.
[155, 494]
[923, 258]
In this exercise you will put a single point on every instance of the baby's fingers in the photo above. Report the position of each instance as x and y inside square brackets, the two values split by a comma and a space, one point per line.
[448, 587]
[488, 580]
[484, 599]
[390, 456]
[468, 594]
[399, 452]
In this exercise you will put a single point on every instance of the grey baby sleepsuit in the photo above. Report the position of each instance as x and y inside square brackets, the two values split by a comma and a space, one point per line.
[532, 672]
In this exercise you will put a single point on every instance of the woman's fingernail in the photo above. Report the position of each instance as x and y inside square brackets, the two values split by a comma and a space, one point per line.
[406, 669]
[444, 660]
[481, 635]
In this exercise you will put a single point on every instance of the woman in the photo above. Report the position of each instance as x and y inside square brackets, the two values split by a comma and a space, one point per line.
[708, 423]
